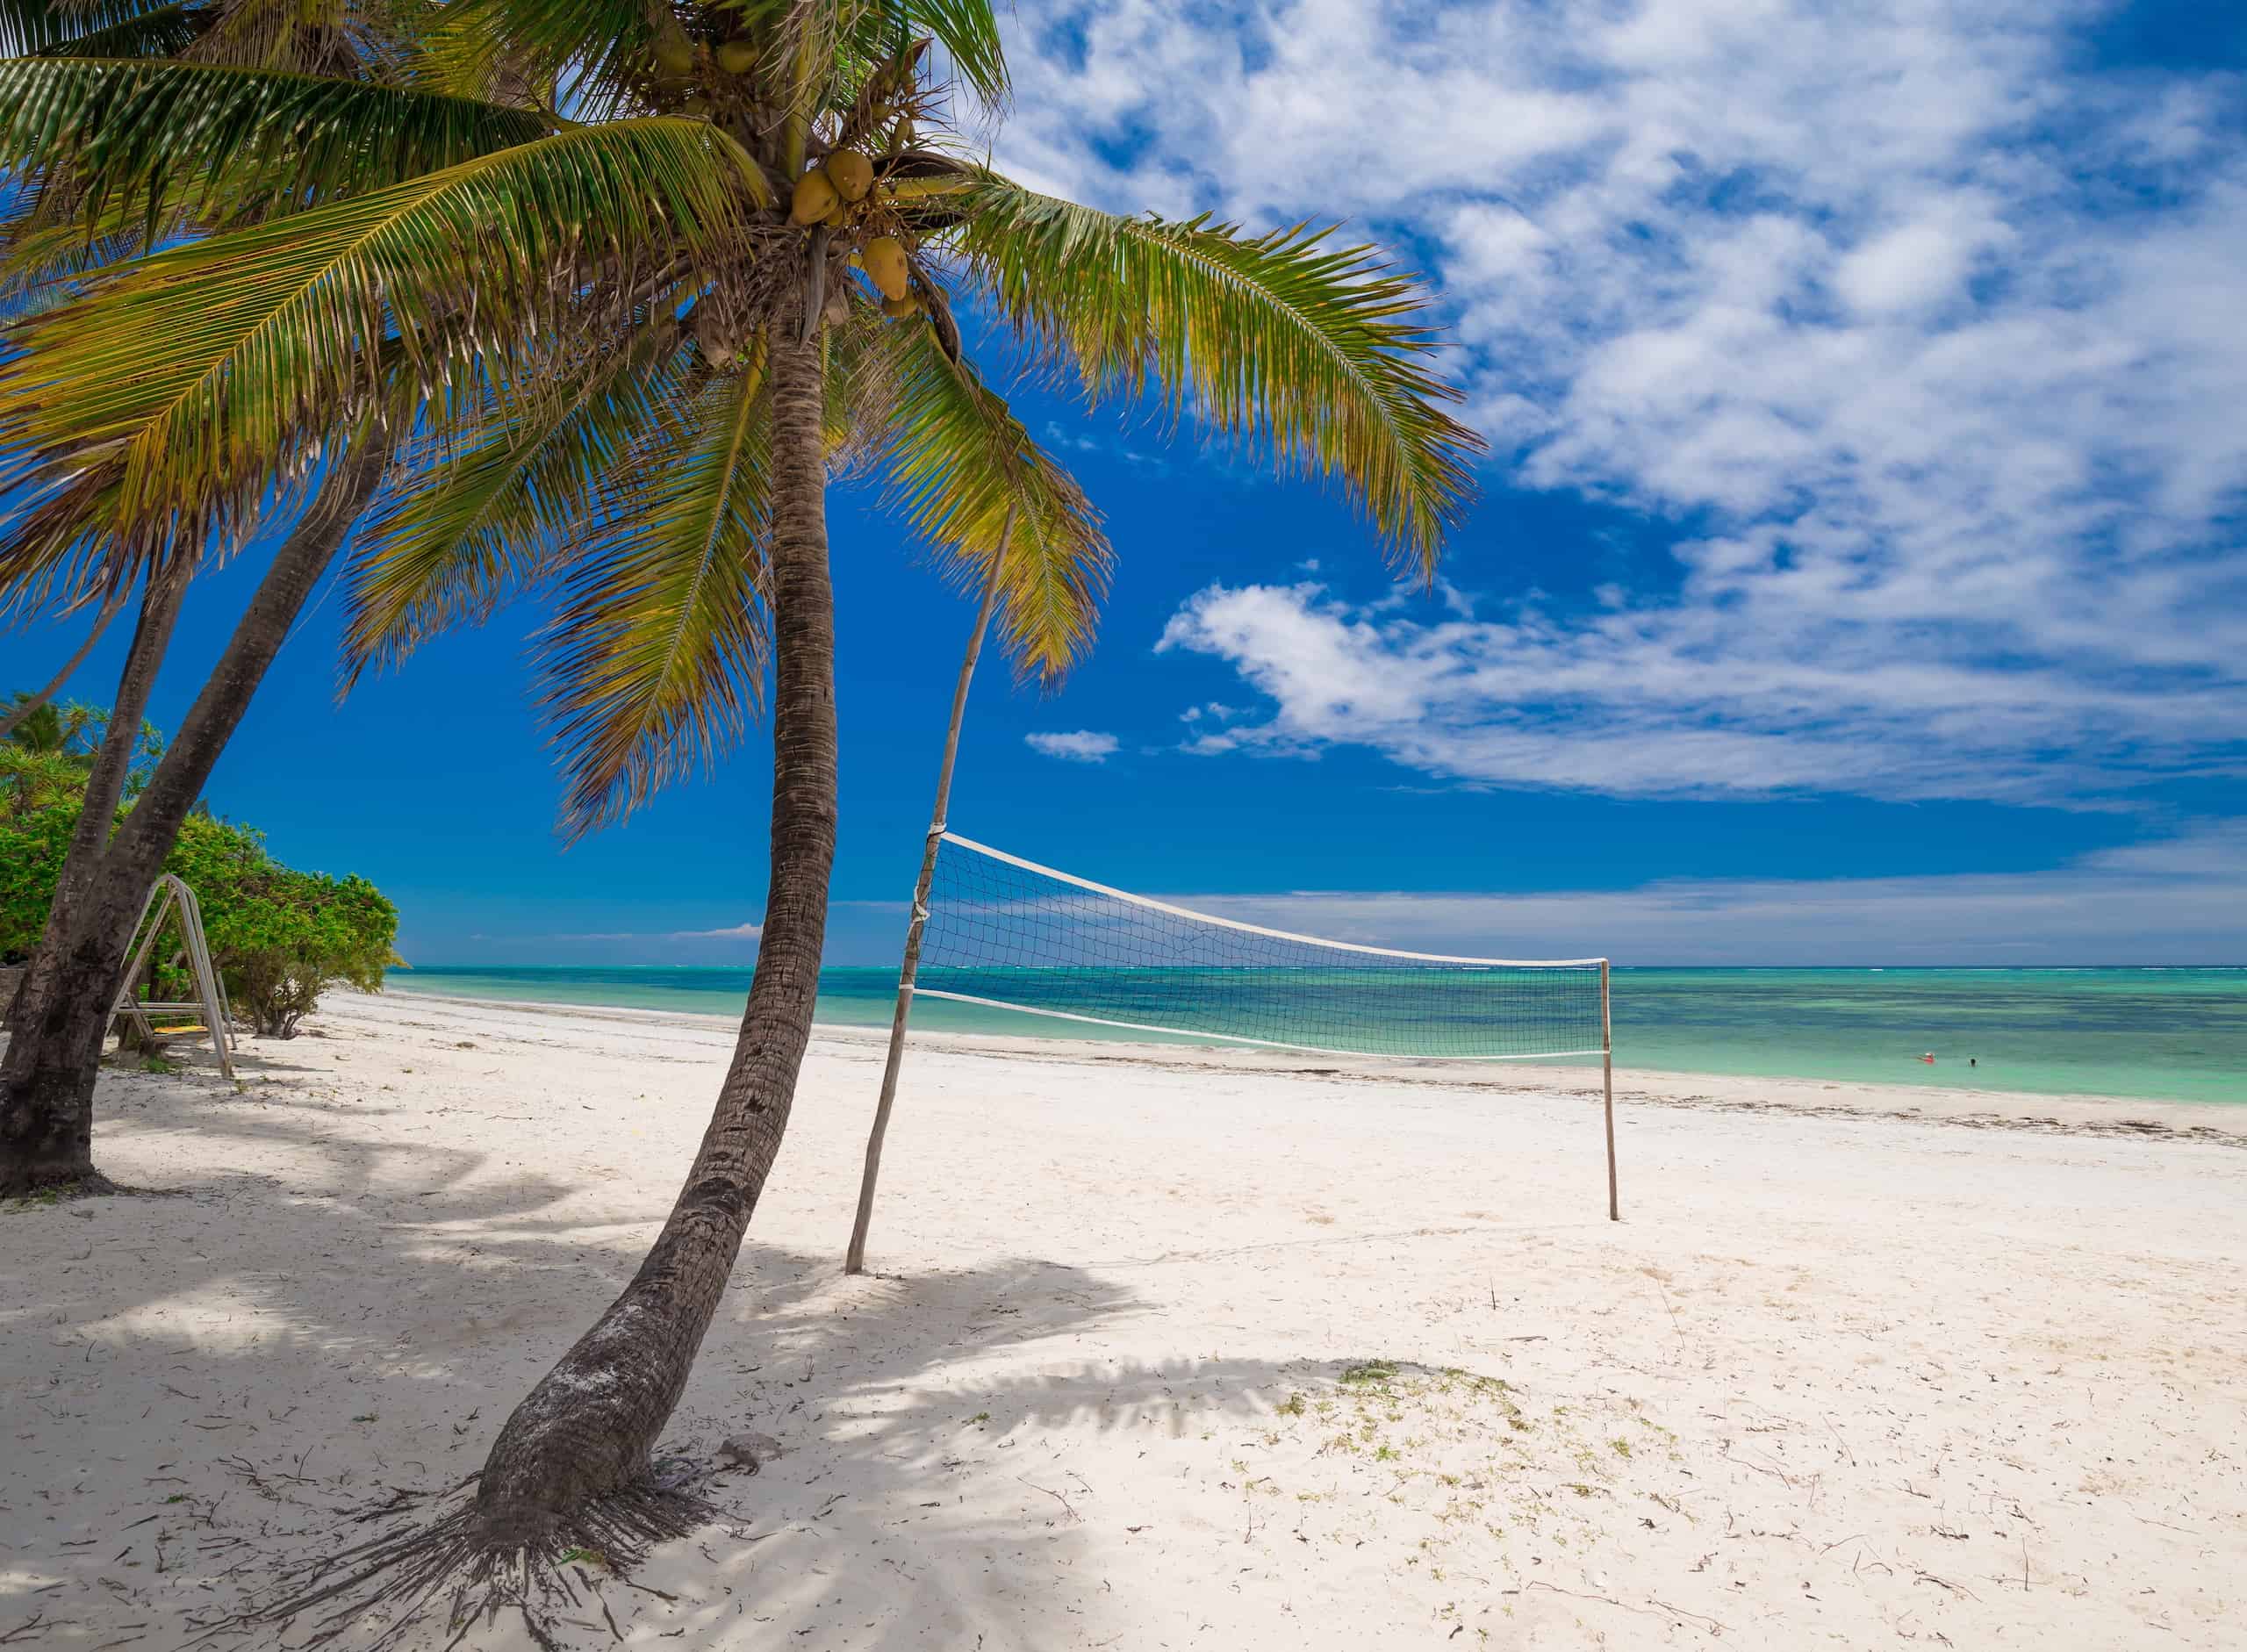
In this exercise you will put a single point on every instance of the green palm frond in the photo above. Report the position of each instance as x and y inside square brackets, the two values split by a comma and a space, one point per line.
[55, 551]
[822, 52]
[156, 31]
[656, 658]
[458, 51]
[1315, 357]
[38, 262]
[474, 522]
[314, 37]
[211, 368]
[164, 137]
[818, 53]
[594, 44]
[855, 35]
[959, 460]
[966, 31]
[36, 26]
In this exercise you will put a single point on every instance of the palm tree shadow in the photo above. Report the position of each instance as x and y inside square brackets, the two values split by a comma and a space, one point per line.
[405, 1297]
[924, 1429]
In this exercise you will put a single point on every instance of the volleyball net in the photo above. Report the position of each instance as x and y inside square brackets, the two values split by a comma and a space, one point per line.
[1007, 933]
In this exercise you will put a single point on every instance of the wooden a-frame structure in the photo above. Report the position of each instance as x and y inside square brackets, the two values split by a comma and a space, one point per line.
[171, 897]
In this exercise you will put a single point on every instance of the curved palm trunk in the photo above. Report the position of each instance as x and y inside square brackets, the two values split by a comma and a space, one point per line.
[572, 1462]
[62, 1011]
[113, 763]
[24, 708]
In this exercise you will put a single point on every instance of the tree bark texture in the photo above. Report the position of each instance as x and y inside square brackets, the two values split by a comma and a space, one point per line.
[585, 1433]
[61, 1013]
[113, 763]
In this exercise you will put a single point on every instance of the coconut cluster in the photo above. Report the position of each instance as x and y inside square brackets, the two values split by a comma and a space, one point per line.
[839, 191]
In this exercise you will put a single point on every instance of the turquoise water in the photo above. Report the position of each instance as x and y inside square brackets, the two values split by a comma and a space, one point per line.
[2153, 1034]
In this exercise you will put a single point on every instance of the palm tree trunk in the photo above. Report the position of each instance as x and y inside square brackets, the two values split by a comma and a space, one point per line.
[61, 1013]
[572, 1465]
[160, 608]
[31, 703]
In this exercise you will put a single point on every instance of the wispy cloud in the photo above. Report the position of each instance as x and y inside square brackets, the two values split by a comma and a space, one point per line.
[729, 932]
[1930, 329]
[2172, 903]
[1643, 704]
[1084, 745]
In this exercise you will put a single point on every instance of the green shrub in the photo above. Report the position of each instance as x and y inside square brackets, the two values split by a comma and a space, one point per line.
[279, 936]
[300, 933]
[39, 811]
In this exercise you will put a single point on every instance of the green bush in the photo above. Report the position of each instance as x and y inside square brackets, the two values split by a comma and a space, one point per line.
[279, 936]
[39, 811]
[295, 934]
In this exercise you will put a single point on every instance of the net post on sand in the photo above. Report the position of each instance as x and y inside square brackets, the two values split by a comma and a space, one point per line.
[996, 931]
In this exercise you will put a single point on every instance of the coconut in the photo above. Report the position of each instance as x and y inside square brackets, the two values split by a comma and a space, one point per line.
[738, 57]
[851, 174]
[838, 217]
[898, 309]
[885, 263]
[698, 107]
[815, 198]
[673, 54]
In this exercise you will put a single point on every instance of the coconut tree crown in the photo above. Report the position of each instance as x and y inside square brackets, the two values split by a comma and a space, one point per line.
[554, 240]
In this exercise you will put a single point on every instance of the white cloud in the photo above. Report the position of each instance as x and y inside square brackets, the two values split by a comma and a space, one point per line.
[2175, 902]
[1083, 746]
[731, 932]
[1681, 703]
[1931, 331]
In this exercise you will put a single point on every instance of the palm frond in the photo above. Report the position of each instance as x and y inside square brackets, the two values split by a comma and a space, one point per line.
[1319, 357]
[165, 136]
[312, 36]
[592, 44]
[153, 30]
[959, 460]
[657, 658]
[41, 263]
[858, 34]
[36, 26]
[55, 551]
[211, 368]
[966, 31]
[474, 522]
[460, 51]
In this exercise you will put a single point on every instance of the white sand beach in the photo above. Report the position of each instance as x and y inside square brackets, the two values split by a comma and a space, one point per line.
[1164, 1349]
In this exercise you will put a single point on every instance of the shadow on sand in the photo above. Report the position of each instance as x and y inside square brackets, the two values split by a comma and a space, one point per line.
[263, 1360]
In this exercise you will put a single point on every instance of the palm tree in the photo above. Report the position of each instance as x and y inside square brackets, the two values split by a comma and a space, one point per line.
[114, 151]
[644, 338]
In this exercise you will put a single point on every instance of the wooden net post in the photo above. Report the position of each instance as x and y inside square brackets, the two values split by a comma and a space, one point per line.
[855, 1259]
[1607, 1086]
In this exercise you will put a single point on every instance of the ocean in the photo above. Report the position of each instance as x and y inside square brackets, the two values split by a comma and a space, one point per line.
[2153, 1034]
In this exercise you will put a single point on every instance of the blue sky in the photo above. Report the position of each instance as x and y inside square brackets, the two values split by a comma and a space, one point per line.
[1859, 576]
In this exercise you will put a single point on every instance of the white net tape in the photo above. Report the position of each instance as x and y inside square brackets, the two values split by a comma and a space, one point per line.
[1007, 933]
